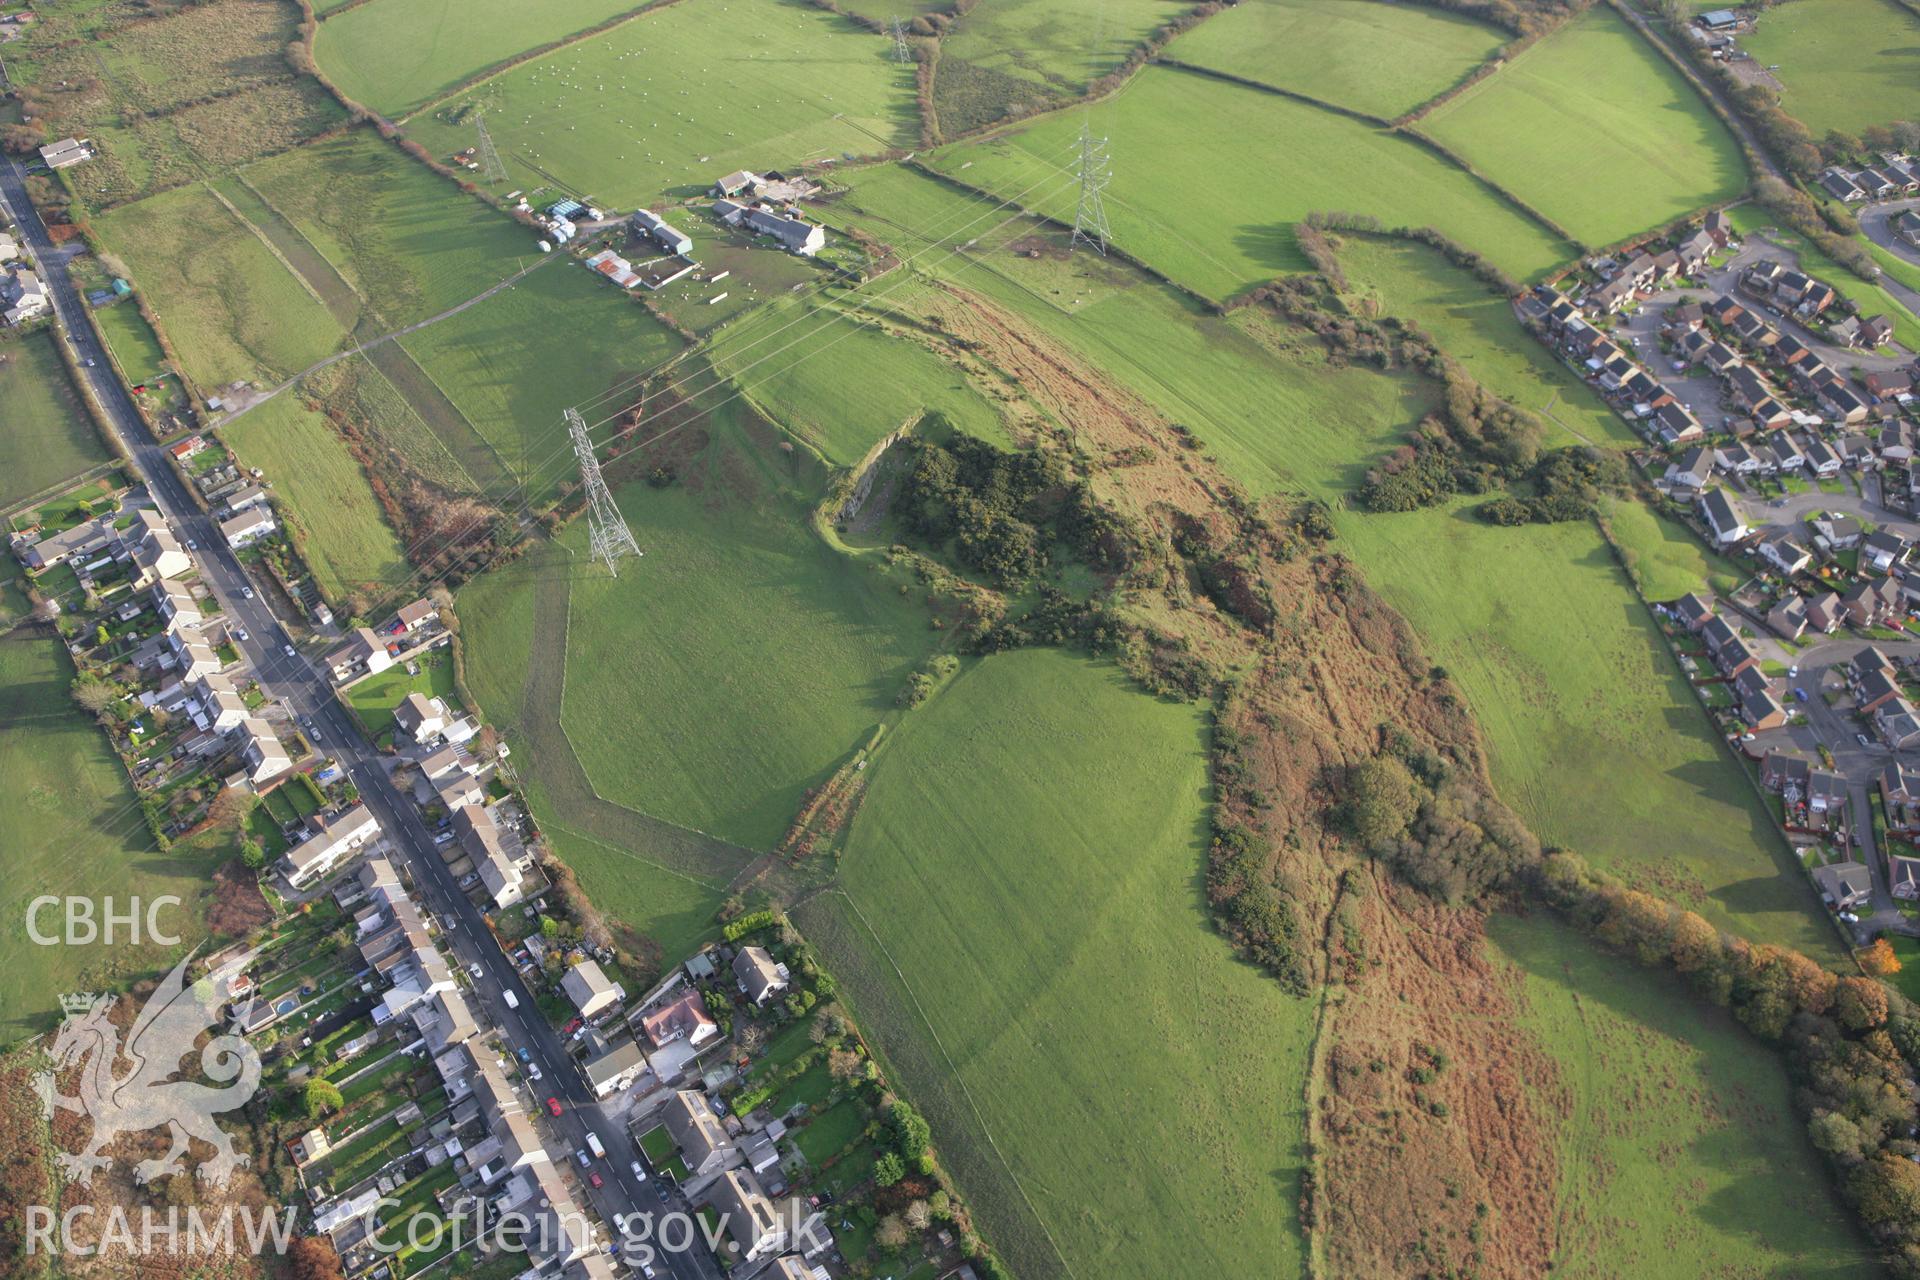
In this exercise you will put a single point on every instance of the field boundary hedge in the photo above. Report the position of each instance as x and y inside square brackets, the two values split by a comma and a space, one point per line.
[1263, 87]
[1459, 162]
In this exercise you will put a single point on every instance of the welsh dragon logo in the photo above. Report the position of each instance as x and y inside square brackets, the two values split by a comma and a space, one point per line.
[146, 1095]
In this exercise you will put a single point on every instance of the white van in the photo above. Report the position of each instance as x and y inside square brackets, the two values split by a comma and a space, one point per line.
[513, 1001]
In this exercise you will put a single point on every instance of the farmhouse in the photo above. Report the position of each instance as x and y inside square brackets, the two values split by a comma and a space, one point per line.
[329, 841]
[794, 234]
[739, 182]
[590, 989]
[22, 295]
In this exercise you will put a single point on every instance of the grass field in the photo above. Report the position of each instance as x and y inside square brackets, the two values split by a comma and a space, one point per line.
[393, 55]
[131, 340]
[512, 364]
[1242, 233]
[1383, 59]
[1844, 64]
[1682, 1155]
[673, 909]
[231, 308]
[746, 650]
[405, 238]
[72, 829]
[340, 528]
[1592, 128]
[840, 383]
[1016, 53]
[674, 100]
[1029, 856]
[46, 435]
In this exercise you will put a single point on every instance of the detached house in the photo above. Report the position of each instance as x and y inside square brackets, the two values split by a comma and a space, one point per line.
[1723, 517]
[1882, 550]
[1900, 796]
[1898, 725]
[1782, 549]
[759, 977]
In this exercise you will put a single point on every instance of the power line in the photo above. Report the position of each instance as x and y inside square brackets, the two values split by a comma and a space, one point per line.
[1090, 216]
[490, 166]
[901, 51]
[608, 537]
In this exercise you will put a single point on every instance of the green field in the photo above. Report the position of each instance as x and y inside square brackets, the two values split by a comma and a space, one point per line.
[405, 238]
[511, 365]
[1029, 857]
[131, 340]
[1592, 128]
[232, 310]
[671, 102]
[743, 649]
[45, 436]
[1844, 64]
[673, 909]
[1011, 54]
[73, 829]
[1383, 59]
[840, 383]
[393, 55]
[1682, 1154]
[340, 529]
[1242, 233]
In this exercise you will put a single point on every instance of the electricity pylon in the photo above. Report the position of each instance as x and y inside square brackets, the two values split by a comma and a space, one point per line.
[608, 537]
[1090, 217]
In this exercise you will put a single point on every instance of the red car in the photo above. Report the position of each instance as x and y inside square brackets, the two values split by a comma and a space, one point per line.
[596, 1180]
[570, 1028]
[553, 1106]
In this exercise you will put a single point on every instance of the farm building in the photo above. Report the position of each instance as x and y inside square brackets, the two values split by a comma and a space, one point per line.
[739, 182]
[794, 234]
[67, 151]
[614, 267]
[655, 228]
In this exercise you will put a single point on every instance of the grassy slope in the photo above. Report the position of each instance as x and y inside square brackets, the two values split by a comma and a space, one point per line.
[1596, 131]
[392, 55]
[72, 828]
[45, 435]
[1142, 1086]
[743, 663]
[400, 234]
[1240, 233]
[232, 310]
[1383, 59]
[1056, 44]
[1845, 64]
[677, 98]
[345, 537]
[839, 384]
[1714, 1165]
[513, 363]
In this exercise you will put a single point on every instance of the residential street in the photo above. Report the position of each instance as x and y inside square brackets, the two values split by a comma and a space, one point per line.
[308, 693]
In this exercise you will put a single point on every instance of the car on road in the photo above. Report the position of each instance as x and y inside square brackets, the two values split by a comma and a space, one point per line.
[639, 1171]
[240, 635]
[246, 593]
[533, 1071]
[1863, 739]
[192, 545]
[89, 362]
[523, 1053]
[288, 650]
[1801, 694]
[553, 1106]
[586, 1161]
[477, 972]
[661, 1187]
[594, 1177]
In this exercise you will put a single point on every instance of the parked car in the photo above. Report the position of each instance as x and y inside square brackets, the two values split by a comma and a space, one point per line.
[1800, 694]
[477, 972]
[445, 837]
[524, 1054]
[238, 634]
[533, 1071]
[570, 1028]
[553, 1106]
[594, 1177]
[1863, 739]
[639, 1172]
[586, 1161]
[288, 650]
[192, 545]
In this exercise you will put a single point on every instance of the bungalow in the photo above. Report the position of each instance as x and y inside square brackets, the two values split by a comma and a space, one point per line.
[1844, 885]
[1693, 611]
[794, 234]
[1882, 549]
[247, 528]
[1788, 619]
[1825, 612]
[614, 1069]
[590, 989]
[420, 718]
[416, 615]
[1692, 470]
[252, 495]
[67, 151]
[361, 652]
[329, 840]
[758, 975]
[1898, 725]
[1782, 549]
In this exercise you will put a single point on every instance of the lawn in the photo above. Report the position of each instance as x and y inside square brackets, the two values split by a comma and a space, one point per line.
[741, 649]
[1029, 856]
[73, 829]
[405, 238]
[1844, 64]
[511, 365]
[1309, 159]
[1682, 1154]
[393, 55]
[338, 525]
[827, 1134]
[131, 340]
[1595, 130]
[1383, 59]
[1012, 53]
[47, 436]
[839, 382]
[678, 99]
[230, 307]
[373, 700]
